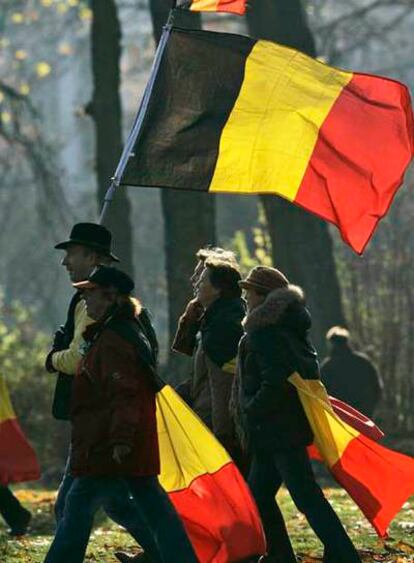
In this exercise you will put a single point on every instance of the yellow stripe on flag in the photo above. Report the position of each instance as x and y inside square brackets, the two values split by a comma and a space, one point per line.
[6, 409]
[204, 6]
[331, 434]
[272, 130]
[195, 453]
[207, 490]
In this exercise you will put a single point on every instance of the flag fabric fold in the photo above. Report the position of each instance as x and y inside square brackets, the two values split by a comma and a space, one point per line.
[233, 114]
[18, 462]
[378, 479]
[210, 495]
[356, 419]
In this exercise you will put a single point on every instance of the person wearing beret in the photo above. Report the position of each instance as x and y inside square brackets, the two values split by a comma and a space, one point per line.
[114, 431]
[88, 245]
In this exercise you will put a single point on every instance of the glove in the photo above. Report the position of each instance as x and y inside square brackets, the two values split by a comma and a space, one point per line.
[48, 363]
[194, 311]
[59, 339]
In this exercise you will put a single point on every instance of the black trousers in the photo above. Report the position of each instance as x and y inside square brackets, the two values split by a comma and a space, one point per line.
[268, 471]
[10, 508]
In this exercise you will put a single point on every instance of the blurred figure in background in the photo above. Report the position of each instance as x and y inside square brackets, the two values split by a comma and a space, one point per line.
[350, 376]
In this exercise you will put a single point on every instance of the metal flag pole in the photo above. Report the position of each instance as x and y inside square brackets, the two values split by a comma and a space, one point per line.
[139, 119]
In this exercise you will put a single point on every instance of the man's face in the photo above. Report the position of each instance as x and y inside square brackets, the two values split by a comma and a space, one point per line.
[253, 299]
[79, 261]
[98, 300]
[198, 270]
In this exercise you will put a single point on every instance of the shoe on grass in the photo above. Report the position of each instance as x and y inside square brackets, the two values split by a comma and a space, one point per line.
[140, 557]
[20, 527]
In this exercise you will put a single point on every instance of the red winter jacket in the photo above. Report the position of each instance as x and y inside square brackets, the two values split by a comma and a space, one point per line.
[113, 402]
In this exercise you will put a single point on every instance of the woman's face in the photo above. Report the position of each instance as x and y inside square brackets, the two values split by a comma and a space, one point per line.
[98, 301]
[253, 299]
[206, 292]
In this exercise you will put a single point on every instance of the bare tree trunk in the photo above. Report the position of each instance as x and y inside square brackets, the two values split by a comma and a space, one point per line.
[106, 111]
[189, 218]
[301, 243]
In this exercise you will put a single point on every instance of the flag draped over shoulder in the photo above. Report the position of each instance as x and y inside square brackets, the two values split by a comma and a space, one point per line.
[229, 6]
[233, 114]
[379, 480]
[206, 488]
[18, 461]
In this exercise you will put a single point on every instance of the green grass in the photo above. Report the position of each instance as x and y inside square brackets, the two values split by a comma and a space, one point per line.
[107, 537]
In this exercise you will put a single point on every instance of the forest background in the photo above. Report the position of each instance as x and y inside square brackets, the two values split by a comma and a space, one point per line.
[71, 76]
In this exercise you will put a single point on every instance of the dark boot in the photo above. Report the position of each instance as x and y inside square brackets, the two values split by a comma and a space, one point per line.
[19, 527]
[137, 558]
[14, 514]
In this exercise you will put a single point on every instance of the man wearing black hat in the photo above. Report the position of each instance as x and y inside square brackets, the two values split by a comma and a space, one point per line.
[89, 245]
[114, 431]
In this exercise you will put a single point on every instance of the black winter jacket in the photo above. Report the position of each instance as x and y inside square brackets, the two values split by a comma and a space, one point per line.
[275, 345]
[221, 329]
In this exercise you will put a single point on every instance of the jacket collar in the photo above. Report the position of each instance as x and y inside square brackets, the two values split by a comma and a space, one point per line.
[273, 307]
[222, 304]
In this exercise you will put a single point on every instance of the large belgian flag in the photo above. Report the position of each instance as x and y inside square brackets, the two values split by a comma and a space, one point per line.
[233, 114]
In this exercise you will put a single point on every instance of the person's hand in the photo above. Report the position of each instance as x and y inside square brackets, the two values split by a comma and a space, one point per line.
[58, 339]
[193, 311]
[120, 451]
[48, 363]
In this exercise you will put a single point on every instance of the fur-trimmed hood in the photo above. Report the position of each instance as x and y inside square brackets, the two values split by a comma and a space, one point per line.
[275, 305]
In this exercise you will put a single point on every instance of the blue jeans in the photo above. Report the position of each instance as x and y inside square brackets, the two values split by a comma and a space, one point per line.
[292, 467]
[119, 506]
[154, 513]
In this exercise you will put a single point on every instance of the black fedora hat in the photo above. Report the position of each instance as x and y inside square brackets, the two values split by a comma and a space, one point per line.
[90, 235]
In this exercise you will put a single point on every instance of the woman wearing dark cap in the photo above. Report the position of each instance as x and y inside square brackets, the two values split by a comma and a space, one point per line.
[114, 438]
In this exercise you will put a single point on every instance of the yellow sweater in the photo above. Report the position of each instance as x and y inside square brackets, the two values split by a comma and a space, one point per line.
[67, 360]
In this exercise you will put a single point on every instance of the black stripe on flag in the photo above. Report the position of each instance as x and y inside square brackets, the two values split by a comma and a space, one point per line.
[197, 85]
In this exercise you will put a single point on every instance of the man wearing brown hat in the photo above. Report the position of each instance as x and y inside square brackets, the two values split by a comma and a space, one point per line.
[270, 417]
[88, 246]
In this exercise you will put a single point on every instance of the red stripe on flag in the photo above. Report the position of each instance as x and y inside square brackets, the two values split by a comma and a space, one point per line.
[356, 419]
[378, 479]
[232, 6]
[207, 509]
[355, 172]
[18, 462]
